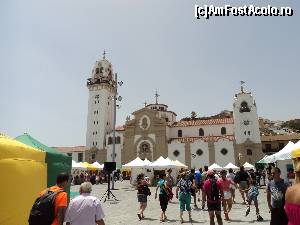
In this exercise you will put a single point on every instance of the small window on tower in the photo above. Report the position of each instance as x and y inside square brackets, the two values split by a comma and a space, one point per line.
[223, 130]
[96, 143]
[97, 70]
[179, 132]
[249, 132]
[94, 122]
[107, 123]
[96, 132]
[97, 122]
[201, 132]
[98, 101]
[95, 102]
[107, 103]
[93, 156]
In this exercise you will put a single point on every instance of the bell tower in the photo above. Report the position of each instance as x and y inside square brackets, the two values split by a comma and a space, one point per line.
[246, 127]
[100, 104]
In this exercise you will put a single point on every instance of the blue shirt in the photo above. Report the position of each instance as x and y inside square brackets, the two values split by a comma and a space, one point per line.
[162, 188]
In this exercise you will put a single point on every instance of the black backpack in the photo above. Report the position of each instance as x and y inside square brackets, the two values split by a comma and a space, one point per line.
[42, 212]
[215, 192]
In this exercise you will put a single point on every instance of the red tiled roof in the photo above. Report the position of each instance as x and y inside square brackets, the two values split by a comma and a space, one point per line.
[71, 149]
[205, 138]
[287, 137]
[203, 122]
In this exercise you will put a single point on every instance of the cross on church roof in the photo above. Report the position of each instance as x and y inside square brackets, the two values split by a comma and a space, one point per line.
[104, 53]
[242, 87]
[156, 97]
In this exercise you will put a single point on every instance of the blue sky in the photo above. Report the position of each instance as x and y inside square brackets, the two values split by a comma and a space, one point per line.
[48, 49]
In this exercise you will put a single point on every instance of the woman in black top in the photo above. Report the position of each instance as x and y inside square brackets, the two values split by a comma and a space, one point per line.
[142, 192]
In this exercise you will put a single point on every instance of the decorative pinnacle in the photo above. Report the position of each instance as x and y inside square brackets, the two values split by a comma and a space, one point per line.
[104, 53]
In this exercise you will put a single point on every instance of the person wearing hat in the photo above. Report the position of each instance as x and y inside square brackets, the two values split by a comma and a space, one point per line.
[214, 194]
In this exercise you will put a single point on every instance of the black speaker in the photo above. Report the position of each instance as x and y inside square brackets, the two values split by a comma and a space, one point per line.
[109, 167]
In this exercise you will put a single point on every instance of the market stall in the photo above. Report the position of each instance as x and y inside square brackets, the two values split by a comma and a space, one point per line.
[23, 169]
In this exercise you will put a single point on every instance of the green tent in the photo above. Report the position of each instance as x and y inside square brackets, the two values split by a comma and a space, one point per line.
[56, 161]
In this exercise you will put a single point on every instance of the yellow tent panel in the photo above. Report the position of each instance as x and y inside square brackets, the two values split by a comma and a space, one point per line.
[296, 153]
[24, 174]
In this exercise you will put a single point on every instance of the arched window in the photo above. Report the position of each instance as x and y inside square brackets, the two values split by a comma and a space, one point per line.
[179, 133]
[97, 70]
[176, 153]
[249, 152]
[244, 107]
[224, 151]
[118, 140]
[201, 132]
[223, 130]
[110, 140]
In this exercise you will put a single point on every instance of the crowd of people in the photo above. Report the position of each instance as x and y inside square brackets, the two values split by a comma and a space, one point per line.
[216, 192]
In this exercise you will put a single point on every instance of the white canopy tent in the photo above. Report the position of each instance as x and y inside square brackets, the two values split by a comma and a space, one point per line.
[161, 164]
[179, 164]
[136, 163]
[248, 166]
[98, 165]
[231, 166]
[215, 167]
[283, 154]
[78, 166]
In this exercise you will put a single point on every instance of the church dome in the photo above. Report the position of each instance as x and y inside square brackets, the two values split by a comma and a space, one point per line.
[102, 72]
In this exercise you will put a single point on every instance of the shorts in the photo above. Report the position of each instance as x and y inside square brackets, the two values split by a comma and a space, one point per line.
[184, 201]
[163, 201]
[252, 198]
[227, 195]
[142, 198]
[216, 206]
[193, 192]
[243, 185]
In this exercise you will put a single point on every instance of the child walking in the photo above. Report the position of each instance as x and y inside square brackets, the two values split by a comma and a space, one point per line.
[252, 196]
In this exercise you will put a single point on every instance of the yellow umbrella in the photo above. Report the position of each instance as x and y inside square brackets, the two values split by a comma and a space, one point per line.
[26, 165]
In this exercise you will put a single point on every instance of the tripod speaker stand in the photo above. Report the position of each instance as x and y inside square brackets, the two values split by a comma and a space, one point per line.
[109, 167]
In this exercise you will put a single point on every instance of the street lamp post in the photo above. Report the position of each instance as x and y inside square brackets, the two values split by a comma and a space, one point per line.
[115, 97]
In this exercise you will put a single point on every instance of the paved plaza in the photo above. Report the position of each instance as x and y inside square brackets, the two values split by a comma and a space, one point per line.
[124, 212]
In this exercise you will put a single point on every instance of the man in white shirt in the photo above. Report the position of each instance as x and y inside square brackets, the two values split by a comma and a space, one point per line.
[85, 209]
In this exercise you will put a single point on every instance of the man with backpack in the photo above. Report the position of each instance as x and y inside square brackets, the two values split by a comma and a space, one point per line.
[214, 194]
[50, 207]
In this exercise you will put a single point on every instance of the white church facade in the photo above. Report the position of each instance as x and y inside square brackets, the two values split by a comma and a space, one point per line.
[154, 131]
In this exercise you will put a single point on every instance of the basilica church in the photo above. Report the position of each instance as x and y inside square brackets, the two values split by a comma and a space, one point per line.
[154, 130]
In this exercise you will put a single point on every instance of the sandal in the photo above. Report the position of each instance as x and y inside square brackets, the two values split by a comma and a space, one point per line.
[139, 216]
